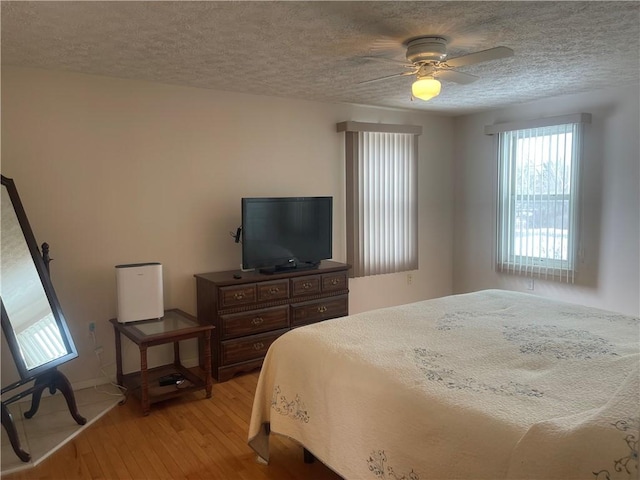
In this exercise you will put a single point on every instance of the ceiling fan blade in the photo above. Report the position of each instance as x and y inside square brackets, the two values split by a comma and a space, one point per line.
[456, 77]
[403, 74]
[479, 57]
[389, 60]
[385, 45]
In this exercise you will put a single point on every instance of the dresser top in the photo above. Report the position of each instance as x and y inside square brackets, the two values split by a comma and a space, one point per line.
[227, 277]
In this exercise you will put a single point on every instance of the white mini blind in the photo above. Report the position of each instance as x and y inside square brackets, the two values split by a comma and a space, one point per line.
[538, 200]
[382, 200]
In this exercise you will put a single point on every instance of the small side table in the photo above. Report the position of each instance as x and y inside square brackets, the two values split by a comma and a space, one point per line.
[175, 326]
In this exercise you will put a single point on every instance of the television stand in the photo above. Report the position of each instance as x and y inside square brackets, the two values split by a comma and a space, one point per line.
[289, 267]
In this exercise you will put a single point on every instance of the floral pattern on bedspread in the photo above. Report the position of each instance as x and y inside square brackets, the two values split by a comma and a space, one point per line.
[628, 464]
[295, 408]
[561, 343]
[459, 319]
[427, 362]
[377, 461]
[611, 318]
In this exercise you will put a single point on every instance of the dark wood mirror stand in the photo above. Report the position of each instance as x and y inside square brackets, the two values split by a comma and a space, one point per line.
[32, 320]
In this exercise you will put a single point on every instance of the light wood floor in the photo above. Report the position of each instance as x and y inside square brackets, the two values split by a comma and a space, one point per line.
[191, 437]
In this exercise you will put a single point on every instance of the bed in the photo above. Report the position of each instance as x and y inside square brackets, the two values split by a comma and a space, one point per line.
[486, 385]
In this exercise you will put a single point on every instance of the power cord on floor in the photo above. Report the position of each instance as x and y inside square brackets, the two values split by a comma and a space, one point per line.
[98, 350]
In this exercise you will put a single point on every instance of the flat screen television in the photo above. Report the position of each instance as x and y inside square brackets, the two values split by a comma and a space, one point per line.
[286, 233]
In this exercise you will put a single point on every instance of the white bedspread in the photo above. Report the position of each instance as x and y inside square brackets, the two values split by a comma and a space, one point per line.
[487, 385]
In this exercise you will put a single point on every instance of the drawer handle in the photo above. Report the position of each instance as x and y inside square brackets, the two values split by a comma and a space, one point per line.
[257, 320]
[335, 281]
[238, 295]
[258, 346]
[322, 309]
[274, 290]
[307, 285]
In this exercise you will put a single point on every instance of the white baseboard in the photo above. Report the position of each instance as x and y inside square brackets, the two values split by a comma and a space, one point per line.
[90, 383]
[189, 363]
[103, 379]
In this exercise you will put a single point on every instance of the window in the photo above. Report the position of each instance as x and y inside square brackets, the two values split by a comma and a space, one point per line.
[41, 342]
[382, 197]
[538, 196]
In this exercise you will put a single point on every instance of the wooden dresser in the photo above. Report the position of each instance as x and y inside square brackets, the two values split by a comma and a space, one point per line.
[250, 312]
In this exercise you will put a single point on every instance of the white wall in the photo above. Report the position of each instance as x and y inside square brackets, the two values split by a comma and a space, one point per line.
[115, 171]
[609, 272]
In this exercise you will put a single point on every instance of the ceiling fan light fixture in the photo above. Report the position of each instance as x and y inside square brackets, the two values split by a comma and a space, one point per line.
[426, 88]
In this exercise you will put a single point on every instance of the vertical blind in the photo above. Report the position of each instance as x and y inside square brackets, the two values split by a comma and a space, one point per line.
[382, 202]
[41, 342]
[538, 200]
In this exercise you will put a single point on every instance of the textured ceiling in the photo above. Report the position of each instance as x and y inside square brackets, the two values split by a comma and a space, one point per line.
[315, 50]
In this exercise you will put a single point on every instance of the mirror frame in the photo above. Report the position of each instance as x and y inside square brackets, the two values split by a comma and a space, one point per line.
[12, 341]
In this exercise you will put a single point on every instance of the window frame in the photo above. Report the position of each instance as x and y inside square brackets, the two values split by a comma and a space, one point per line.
[507, 259]
[357, 240]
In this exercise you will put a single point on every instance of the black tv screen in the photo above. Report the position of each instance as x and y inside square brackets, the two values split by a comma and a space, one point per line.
[286, 232]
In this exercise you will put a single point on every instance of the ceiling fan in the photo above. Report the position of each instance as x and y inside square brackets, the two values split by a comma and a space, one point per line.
[427, 60]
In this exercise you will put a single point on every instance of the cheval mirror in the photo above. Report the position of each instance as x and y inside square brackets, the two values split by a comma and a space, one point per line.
[32, 321]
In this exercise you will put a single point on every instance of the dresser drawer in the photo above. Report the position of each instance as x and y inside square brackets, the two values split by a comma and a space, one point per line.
[255, 321]
[247, 348]
[276, 290]
[237, 295]
[317, 310]
[249, 313]
[306, 285]
[332, 282]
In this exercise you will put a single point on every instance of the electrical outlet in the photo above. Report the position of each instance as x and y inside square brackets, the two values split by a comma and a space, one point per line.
[530, 284]
[409, 278]
[92, 327]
